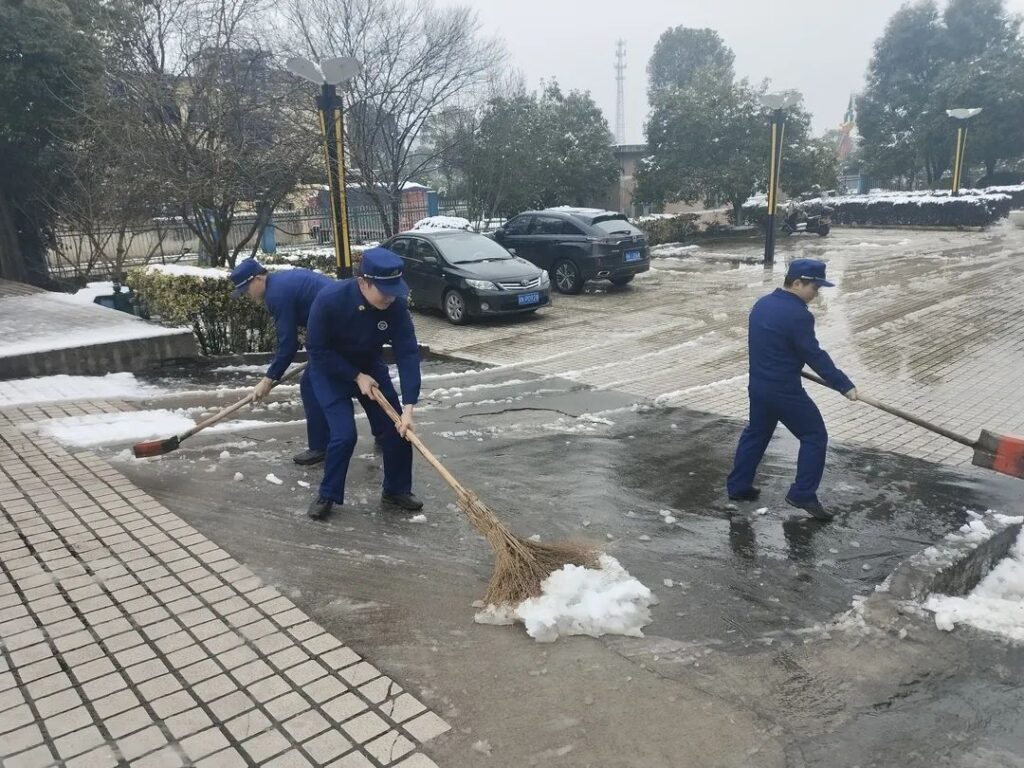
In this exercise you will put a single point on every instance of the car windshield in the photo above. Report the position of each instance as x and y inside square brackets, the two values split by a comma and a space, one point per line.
[469, 248]
[616, 225]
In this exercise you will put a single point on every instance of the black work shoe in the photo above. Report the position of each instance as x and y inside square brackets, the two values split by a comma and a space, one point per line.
[748, 495]
[320, 508]
[813, 508]
[308, 457]
[406, 501]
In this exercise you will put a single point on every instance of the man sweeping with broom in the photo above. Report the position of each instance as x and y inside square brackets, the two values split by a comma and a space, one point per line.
[349, 323]
[781, 342]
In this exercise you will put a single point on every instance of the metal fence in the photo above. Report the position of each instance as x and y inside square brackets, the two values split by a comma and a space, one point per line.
[170, 240]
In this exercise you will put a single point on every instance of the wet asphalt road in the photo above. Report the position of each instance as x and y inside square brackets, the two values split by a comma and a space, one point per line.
[737, 648]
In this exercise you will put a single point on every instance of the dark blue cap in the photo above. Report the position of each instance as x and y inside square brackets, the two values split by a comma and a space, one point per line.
[242, 274]
[384, 269]
[808, 270]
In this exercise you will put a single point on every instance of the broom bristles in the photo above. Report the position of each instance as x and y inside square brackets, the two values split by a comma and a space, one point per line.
[520, 565]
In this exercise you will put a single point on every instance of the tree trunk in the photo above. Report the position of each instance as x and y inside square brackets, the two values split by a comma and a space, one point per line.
[12, 262]
[737, 212]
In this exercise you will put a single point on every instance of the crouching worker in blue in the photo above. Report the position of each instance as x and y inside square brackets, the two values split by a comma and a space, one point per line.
[348, 325]
[288, 296]
[781, 341]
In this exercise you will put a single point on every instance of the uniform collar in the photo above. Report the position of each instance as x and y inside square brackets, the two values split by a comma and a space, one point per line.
[788, 295]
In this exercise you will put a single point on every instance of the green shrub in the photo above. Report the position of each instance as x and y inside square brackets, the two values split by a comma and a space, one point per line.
[661, 229]
[221, 324]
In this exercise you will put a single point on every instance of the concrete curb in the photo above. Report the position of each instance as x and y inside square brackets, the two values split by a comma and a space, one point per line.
[100, 359]
[953, 567]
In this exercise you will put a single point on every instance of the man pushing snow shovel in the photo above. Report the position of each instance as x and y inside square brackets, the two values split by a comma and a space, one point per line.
[288, 296]
[781, 341]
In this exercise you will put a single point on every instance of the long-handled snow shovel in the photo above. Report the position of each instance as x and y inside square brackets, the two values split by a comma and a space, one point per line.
[520, 564]
[160, 447]
[1001, 453]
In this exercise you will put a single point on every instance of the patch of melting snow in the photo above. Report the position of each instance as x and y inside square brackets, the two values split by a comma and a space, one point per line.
[272, 478]
[580, 601]
[996, 604]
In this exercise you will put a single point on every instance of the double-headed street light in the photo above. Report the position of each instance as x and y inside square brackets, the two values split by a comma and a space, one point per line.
[777, 103]
[962, 116]
[329, 74]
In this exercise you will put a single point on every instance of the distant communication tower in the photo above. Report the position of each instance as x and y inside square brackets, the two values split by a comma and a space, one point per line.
[620, 91]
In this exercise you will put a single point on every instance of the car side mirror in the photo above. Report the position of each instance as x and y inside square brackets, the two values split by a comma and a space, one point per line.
[511, 250]
[430, 260]
[499, 233]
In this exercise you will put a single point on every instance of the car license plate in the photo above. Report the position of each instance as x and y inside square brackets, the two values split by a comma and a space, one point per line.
[632, 255]
[528, 298]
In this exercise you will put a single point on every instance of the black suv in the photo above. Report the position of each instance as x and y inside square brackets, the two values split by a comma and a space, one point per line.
[578, 244]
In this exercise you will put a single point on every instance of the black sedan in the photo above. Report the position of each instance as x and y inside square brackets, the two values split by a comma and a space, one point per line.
[468, 275]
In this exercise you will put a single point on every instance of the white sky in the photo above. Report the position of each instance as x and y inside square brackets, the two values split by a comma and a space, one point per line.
[819, 47]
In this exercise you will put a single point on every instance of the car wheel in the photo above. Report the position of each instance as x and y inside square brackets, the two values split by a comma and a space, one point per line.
[567, 277]
[455, 308]
[622, 280]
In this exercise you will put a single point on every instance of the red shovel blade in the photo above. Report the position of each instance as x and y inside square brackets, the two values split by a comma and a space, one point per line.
[1001, 453]
[155, 447]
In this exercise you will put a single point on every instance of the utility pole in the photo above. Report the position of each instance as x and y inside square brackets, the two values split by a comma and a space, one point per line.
[620, 91]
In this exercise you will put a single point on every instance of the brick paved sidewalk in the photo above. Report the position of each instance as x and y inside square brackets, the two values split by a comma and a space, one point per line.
[128, 638]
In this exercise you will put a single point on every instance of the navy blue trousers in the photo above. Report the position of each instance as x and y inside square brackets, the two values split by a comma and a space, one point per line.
[335, 397]
[317, 432]
[799, 414]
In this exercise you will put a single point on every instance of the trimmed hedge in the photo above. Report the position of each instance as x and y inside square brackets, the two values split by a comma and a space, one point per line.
[221, 324]
[662, 228]
[973, 208]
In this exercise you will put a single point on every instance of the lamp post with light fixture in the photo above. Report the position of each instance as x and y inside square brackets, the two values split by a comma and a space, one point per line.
[961, 116]
[777, 103]
[329, 74]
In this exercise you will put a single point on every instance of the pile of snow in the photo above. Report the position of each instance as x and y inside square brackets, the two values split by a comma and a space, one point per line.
[92, 290]
[104, 428]
[580, 601]
[214, 273]
[134, 426]
[995, 605]
[52, 389]
[444, 222]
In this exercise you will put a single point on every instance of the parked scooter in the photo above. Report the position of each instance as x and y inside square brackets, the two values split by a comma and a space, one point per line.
[814, 219]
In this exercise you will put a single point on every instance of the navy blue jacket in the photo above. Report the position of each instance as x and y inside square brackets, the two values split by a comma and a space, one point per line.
[781, 341]
[289, 297]
[345, 336]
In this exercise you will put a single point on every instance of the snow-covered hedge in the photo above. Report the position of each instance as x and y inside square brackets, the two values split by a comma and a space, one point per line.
[202, 298]
[972, 208]
[318, 257]
[661, 228]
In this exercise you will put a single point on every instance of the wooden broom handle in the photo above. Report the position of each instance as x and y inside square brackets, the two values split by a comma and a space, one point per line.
[225, 412]
[900, 414]
[413, 438]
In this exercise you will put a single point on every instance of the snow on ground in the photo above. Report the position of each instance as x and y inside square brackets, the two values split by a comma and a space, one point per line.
[995, 605]
[51, 389]
[134, 426]
[241, 369]
[444, 222]
[92, 290]
[580, 601]
[89, 325]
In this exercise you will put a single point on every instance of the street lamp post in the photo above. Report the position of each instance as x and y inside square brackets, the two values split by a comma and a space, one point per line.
[777, 103]
[329, 75]
[961, 116]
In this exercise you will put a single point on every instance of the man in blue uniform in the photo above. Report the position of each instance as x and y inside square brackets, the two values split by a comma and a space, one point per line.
[288, 296]
[781, 342]
[348, 325]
